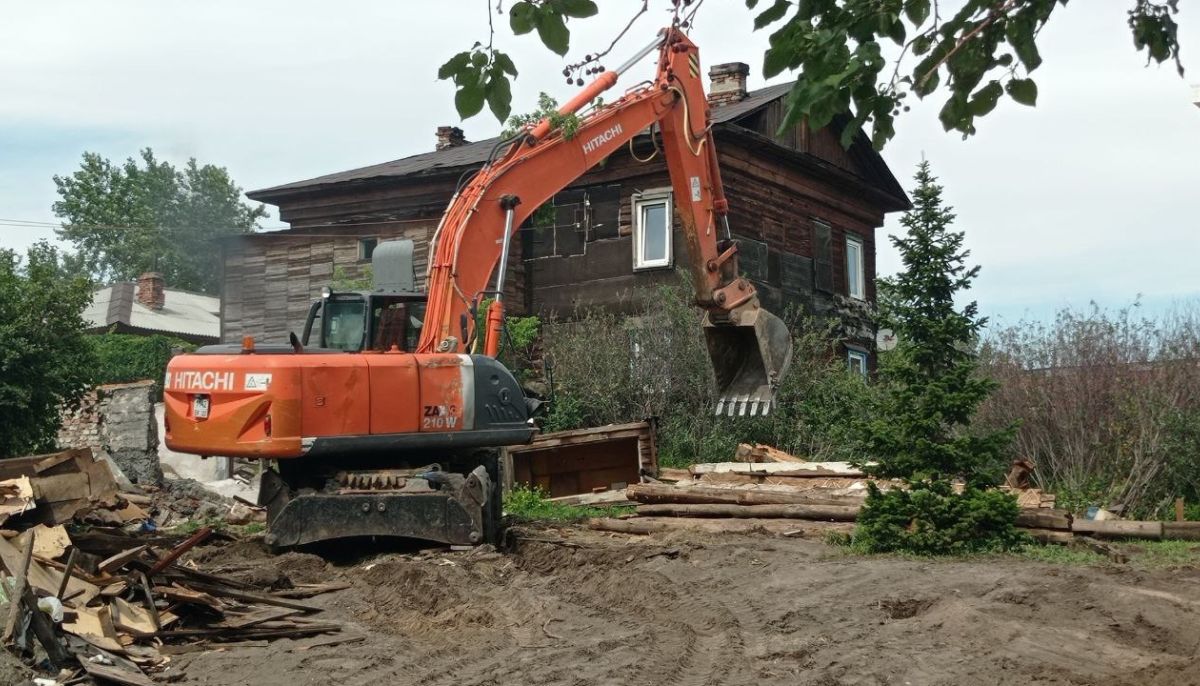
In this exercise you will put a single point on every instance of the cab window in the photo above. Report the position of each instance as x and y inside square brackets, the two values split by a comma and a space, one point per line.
[343, 325]
[398, 323]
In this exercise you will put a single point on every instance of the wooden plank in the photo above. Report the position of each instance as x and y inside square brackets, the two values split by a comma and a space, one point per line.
[653, 525]
[20, 576]
[1118, 528]
[115, 675]
[47, 581]
[1051, 536]
[247, 596]
[714, 495]
[257, 617]
[121, 559]
[310, 590]
[834, 513]
[601, 499]
[1042, 518]
[1182, 531]
[670, 474]
[760, 452]
[778, 468]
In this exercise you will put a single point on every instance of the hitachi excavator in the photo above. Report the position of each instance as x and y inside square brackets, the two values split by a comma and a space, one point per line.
[378, 420]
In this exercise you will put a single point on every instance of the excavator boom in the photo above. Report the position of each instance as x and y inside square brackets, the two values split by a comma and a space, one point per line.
[750, 348]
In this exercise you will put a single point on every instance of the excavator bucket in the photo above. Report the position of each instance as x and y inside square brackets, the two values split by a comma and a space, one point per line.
[749, 358]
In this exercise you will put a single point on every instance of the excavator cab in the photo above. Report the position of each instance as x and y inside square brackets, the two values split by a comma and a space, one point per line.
[354, 321]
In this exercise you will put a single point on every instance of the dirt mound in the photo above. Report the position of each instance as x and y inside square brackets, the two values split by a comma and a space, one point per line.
[585, 608]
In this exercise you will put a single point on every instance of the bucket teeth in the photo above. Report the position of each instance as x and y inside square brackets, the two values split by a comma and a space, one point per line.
[744, 406]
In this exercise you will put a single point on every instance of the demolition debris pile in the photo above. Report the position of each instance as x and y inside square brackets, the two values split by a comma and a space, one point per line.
[115, 599]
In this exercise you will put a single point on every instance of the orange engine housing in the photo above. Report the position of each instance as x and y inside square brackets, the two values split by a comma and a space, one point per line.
[287, 405]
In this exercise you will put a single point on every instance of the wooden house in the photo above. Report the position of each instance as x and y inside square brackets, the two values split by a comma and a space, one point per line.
[806, 211]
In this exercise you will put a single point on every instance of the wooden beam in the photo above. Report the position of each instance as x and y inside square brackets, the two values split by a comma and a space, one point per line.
[1118, 528]
[713, 495]
[835, 513]
[778, 468]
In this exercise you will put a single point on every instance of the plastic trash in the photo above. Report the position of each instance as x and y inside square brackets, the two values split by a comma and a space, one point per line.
[53, 607]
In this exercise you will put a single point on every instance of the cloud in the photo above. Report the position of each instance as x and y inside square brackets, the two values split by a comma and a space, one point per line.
[1091, 194]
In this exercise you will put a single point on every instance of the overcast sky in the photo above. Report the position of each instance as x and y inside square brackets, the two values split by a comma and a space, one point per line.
[1093, 195]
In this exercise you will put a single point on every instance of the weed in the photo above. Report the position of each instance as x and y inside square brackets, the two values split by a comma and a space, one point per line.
[524, 502]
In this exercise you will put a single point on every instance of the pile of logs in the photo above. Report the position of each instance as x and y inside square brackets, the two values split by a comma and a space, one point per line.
[771, 490]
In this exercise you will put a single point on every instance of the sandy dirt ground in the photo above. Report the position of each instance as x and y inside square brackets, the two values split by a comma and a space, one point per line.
[696, 609]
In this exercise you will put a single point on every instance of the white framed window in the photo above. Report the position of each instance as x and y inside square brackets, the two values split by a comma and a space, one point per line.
[652, 219]
[856, 360]
[856, 280]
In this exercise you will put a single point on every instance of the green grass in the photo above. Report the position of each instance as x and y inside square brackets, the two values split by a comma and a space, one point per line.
[523, 502]
[1142, 554]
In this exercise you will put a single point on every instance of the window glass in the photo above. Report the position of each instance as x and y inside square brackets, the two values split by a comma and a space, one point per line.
[857, 362]
[652, 230]
[366, 247]
[855, 286]
[345, 322]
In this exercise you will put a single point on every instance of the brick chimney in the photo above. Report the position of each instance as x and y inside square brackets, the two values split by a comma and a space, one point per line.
[150, 290]
[449, 137]
[728, 83]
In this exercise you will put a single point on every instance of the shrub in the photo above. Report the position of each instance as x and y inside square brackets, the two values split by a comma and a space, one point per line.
[930, 519]
[610, 368]
[1109, 404]
[122, 358]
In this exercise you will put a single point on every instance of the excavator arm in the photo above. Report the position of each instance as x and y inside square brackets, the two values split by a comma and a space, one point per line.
[749, 347]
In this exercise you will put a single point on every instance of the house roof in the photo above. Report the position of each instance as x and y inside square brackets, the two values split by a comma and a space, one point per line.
[184, 314]
[471, 154]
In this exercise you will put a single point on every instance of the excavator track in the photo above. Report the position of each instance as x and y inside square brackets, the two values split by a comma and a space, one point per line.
[458, 505]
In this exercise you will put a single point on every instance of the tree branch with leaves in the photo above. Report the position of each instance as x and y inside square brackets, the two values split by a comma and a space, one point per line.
[973, 52]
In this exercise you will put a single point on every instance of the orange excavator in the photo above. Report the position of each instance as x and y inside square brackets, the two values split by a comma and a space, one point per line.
[379, 421]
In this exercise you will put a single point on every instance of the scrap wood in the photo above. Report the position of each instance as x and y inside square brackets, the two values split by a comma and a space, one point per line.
[115, 675]
[258, 616]
[760, 452]
[803, 469]
[1103, 549]
[16, 497]
[94, 625]
[121, 559]
[1041, 518]
[247, 596]
[189, 596]
[600, 499]
[653, 525]
[309, 590]
[1051, 536]
[671, 474]
[836, 513]
[180, 549]
[20, 581]
[47, 581]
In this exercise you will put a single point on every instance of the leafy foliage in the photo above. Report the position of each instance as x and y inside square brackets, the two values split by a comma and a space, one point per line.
[975, 53]
[45, 361]
[611, 368]
[149, 216]
[121, 358]
[525, 502]
[931, 519]
[930, 391]
[547, 109]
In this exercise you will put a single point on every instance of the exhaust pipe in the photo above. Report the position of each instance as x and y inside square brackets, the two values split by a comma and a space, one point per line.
[750, 350]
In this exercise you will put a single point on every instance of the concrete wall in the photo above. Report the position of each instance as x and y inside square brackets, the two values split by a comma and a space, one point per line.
[119, 420]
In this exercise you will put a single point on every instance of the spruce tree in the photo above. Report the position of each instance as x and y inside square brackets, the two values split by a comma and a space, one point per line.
[930, 391]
